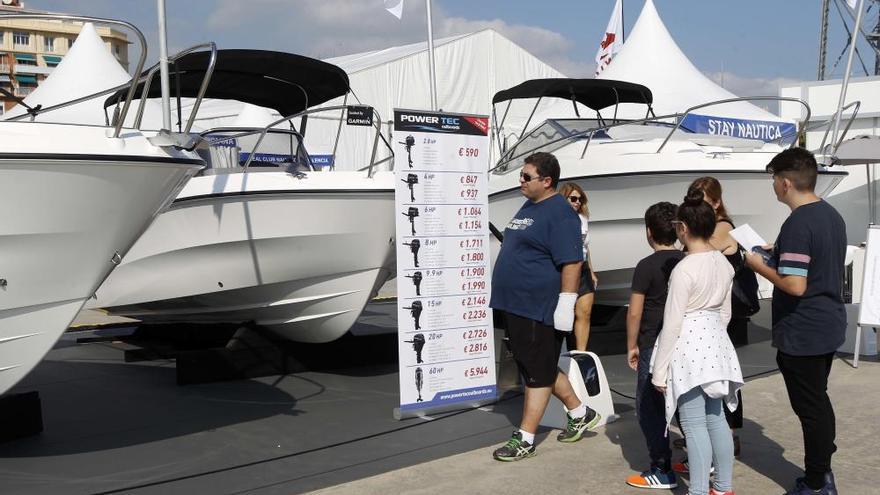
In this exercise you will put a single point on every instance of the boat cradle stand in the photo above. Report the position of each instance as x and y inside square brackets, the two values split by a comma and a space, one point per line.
[21, 415]
[249, 352]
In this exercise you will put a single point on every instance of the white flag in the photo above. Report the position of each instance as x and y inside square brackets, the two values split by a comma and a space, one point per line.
[612, 41]
[395, 7]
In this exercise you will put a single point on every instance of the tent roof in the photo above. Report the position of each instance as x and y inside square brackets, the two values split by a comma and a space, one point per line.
[88, 68]
[592, 93]
[362, 61]
[650, 56]
[284, 82]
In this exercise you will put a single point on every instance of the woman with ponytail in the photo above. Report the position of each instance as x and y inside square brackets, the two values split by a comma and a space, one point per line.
[694, 363]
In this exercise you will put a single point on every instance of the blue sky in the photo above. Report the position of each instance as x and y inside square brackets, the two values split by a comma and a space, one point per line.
[757, 44]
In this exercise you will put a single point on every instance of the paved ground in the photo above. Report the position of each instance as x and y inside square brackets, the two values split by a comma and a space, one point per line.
[113, 426]
[771, 443]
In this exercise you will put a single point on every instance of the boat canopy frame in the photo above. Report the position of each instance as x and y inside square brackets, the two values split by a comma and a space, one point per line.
[285, 82]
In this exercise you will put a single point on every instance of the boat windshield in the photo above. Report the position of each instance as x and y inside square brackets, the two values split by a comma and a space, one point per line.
[553, 134]
[230, 149]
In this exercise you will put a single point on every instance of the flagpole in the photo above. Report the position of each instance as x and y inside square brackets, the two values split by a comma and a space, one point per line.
[860, 6]
[165, 86]
[431, 71]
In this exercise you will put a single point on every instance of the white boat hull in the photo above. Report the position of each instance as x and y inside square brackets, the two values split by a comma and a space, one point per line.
[300, 256]
[65, 219]
[621, 187]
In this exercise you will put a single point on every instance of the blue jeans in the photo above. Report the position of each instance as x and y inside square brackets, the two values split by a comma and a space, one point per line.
[651, 411]
[708, 440]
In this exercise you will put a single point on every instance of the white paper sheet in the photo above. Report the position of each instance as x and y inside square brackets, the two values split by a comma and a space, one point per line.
[747, 237]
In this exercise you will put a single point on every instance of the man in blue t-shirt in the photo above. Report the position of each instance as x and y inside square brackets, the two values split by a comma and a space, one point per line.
[809, 319]
[534, 289]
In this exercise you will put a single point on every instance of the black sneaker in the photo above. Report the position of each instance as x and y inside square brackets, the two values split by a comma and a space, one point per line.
[576, 427]
[515, 449]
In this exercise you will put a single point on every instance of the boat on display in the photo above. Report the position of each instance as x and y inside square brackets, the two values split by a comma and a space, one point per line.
[261, 237]
[75, 198]
[625, 166]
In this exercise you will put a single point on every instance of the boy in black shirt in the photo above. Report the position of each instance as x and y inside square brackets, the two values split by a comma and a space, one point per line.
[809, 318]
[644, 320]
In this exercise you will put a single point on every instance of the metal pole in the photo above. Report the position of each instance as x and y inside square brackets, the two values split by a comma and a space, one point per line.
[432, 74]
[163, 68]
[849, 60]
[823, 41]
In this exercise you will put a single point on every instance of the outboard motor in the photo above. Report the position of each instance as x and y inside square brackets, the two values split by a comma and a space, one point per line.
[412, 214]
[418, 343]
[414, 246]
[409, 142]
[417, 280]
[411, 180]
[415, 309]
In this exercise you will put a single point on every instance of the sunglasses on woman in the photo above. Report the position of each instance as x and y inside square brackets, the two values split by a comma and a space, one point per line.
[575, 199]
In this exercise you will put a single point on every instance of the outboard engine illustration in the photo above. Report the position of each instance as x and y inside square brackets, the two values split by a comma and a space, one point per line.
[417, 281]
[418, 343]
[415, 309]
[419, 384]
[409, 142]
[414, 246]
[412, 214]
[411, 180]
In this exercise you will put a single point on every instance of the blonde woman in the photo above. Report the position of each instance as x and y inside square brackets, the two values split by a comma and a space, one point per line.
[584, 306]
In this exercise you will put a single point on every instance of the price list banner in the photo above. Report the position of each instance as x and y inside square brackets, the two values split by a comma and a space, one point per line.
[445, 331]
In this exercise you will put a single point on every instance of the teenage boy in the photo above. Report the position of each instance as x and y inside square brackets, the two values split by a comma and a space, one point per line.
[534, 289]
[644, 319]
[809, 318]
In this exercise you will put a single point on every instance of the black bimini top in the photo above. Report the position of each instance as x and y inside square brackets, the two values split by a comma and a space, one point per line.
[284, 82]
[592, 93]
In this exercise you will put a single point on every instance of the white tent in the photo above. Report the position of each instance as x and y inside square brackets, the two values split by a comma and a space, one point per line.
[652, 58]
[87, 68]
[470, 69]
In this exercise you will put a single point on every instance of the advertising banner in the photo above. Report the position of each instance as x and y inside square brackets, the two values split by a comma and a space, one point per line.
[751, 129]
[445, 331]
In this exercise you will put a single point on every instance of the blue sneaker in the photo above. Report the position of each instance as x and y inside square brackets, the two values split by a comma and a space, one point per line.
[801, 488]
[653, 478]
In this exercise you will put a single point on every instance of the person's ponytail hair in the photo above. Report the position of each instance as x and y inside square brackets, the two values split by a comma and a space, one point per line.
[697, 214]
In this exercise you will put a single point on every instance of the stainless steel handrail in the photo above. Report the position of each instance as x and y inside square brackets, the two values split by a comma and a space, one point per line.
[734, 100]
[828, 123]
[212, 62]
[76, 18]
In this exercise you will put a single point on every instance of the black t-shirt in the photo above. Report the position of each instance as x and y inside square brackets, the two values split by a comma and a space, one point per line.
[651, 278]
[812, 244]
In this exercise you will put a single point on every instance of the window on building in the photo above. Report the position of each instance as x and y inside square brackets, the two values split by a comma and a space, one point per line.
[48, 44]
[117, 51]
[21, 39]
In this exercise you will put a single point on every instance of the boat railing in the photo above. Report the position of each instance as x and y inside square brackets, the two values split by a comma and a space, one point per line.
[212, 62]
[736, 100]
[674, 121]
[829, 124]
[262, 132]
[132, 85]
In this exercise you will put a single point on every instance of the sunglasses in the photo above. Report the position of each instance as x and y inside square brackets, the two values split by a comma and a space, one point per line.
[575, 199]
[525, 177]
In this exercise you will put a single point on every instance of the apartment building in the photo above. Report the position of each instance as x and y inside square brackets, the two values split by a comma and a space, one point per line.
[30, 49]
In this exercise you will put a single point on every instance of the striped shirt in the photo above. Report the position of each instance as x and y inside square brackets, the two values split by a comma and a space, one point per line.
[811, 244]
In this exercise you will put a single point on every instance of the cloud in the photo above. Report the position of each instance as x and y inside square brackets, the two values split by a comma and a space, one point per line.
[752, 86]
[328, 28]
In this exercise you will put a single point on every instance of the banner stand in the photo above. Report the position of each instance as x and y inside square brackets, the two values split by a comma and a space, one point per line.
[446, 343]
